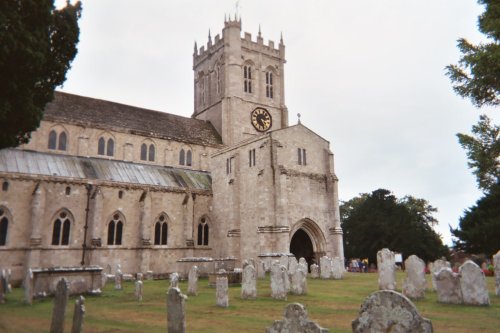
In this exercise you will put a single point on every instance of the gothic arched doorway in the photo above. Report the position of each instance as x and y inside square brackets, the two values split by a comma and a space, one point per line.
[308, 241]
[301, 246]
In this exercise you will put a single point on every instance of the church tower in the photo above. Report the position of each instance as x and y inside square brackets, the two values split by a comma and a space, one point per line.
[239, 84]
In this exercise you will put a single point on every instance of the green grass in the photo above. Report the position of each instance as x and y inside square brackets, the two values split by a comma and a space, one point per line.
[331, 303]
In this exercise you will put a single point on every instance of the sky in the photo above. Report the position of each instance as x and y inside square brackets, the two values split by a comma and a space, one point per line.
[368, 76]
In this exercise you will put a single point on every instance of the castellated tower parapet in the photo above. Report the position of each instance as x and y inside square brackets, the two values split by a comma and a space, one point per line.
[233, 75]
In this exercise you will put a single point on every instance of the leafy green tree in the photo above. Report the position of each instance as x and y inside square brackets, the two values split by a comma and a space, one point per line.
[373, 221]
[37, 45]
[479, 228]
[477, 75]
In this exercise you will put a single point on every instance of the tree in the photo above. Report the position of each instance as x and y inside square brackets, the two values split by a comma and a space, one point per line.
[479, 228]
[373, 221]
[37, 45]
[483, 152]
[477, 75]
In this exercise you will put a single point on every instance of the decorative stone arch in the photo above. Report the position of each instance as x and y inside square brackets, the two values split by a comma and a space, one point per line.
[61, 224]
[203, 231]
[162, 224]
[6, 222]
[115, 223]
[308, 228]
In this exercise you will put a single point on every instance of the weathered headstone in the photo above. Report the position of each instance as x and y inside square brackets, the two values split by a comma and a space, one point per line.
[295, 321]
[149, 275]
[251, 261]
[78, 315]
[176, 312]
[435, 267]
[473, 284]
[249, 283]
[448, 286]
[386, 265]
[496, 263]
[138, 290]
[390, 311]
[118, 277]
[139, 277]
[415, 283]
[314, 271]
[325, 267]
[337, 268]
[222, 291]
[28, 287]
[279, 281]
[174, 280]
[244, 263]
[9, 286]
[299, 282]
[3, 288]
[193, 281]
[60, 302]
[284, 259]
[261, 271]
[292, 265]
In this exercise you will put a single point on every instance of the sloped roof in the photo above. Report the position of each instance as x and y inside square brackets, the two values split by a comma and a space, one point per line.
[85, 168]
[98, 113]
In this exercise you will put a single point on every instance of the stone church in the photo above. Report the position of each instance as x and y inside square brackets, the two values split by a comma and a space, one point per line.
[102, 183]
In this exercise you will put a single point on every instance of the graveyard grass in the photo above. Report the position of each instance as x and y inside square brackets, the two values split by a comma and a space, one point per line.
[333, 304]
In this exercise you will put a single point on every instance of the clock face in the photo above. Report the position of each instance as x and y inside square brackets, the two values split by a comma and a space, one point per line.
[261, 119]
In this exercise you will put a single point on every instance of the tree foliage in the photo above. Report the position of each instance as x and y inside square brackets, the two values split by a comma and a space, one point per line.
[37, 45]
[373, 221]
[483, 152]
[477, 75]
[479, 228]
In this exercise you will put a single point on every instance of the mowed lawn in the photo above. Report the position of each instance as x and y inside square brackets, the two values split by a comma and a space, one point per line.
[331, 303]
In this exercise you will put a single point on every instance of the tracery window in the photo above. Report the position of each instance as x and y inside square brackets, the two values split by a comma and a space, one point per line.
[247, 79]
[115, 230]
[61, 229]
[4, 227]
[161, 230]
[203, 232]
[269, 84]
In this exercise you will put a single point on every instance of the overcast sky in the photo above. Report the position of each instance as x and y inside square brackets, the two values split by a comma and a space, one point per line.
[366, 75]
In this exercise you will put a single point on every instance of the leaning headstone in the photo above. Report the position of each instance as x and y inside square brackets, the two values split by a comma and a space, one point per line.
[118, 278]
[337, 268]
[314, 271]
[496, 263]
[249, 283]
[299, 282]
[78, 315]
[261, 271]
[174, 280]
[28, 287]
[435, 267]
[295, 321]
[292, 265]
[386, 265]
[448, 286]
[138, 290]
[284, 259]
[60, 302]
[222, 291]
[176, 312]
[473, 284]
[389, 311]
[193, 281]
[415, 282]
[279, 281]
[325, 267]
[303, 264]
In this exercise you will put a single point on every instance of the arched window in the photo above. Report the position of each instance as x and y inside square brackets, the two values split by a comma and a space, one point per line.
[5, 186]
[62, 141]
[247, 79]
[269, 84]
[203, 232]
[101, 146]
[182, 157]
[188, 158]
[161, 231]
[111, 147]
[115, 230]
[52, 139]
[61, 237]
[144, 152]
[151, 152]
[4, 226]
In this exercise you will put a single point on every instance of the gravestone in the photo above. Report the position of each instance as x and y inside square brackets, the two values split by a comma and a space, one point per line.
[279, 281]
[292, 265]
[251, 261]
[3, 288]
[295, 321]
[390, 311]
[261, 271]
[415, 283]
[249, 283]
[174, 280]
[176, 312]
[496, 263]
[118, 277]
[325, 267]
[244, 263]
[222, 291]
[193, 281]
[314, 271]
[138, 290]
[78, 315]
[149, 275]
[435, 267]
[448, 286]
[139, 277]
[284, 259]
[473, 284]
[299, 282]
[7, 276]
[337, 268]
[28, 287]
[386, 265]
[59, 310]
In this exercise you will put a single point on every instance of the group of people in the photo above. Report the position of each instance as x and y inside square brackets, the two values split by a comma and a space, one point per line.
[357, 265]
